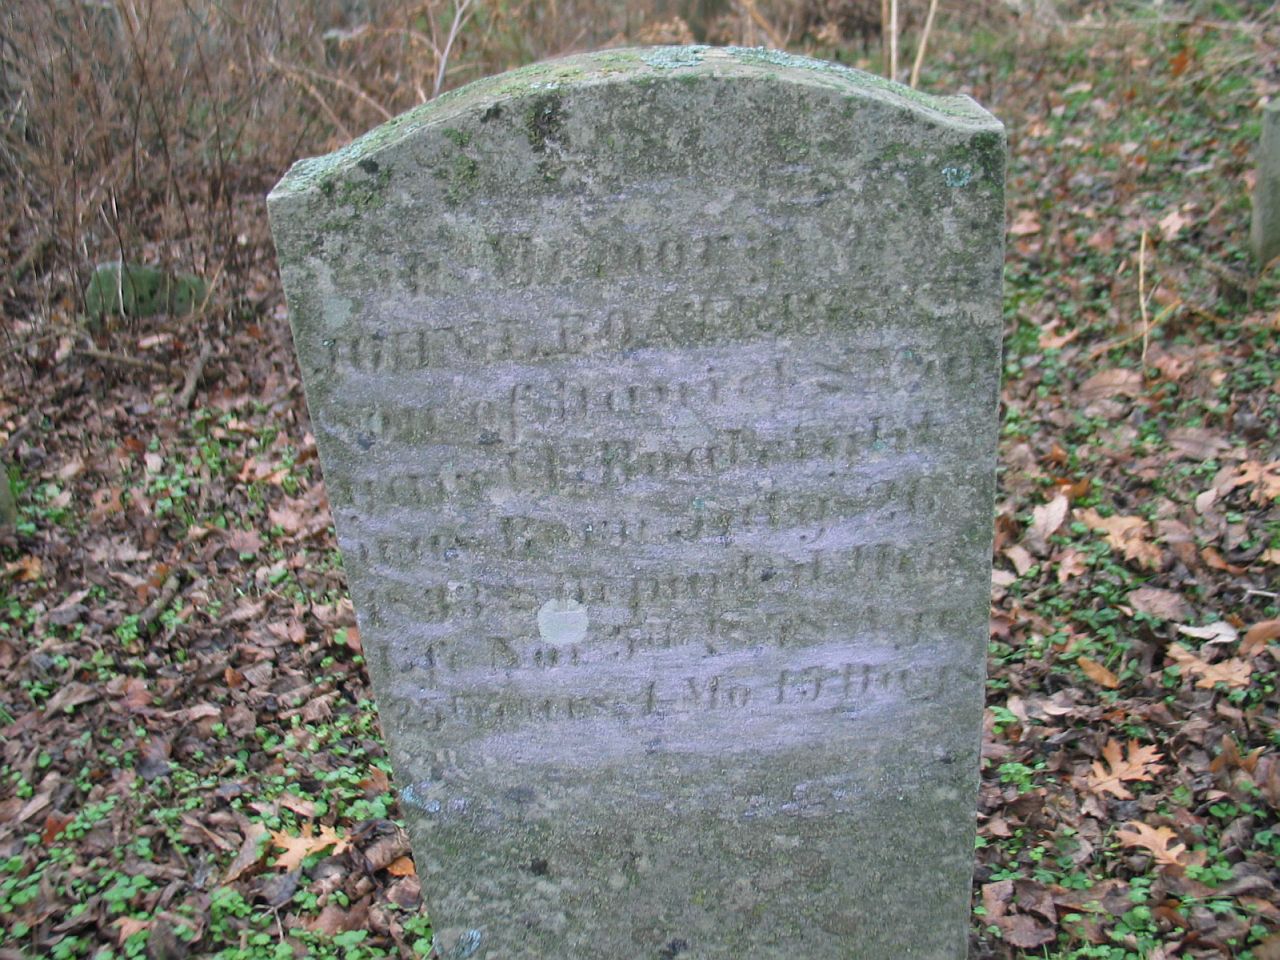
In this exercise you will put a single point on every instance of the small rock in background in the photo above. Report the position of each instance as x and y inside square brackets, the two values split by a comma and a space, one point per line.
[139, 290]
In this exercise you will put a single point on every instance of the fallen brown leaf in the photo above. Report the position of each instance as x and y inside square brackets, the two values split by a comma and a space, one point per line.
[1233, 673]
[401, 867]
[24, 569]
[1025, 224]
[1164, 604]
[1072, 564]
[244, 542]
[69, 695]
[334, 920]
[1173, 221]
[1047, 518]
[1141, 763]
[128, 926]
[1217, 632]
[1264, 476]
[1258, 636]
[1126, 535]
[1111, 383]
[251, 851]
[1024, 932]
[1160, 841]
[1198, 443]
[1098, 673]
[54, 824]
[1021, 559]
[296, 849]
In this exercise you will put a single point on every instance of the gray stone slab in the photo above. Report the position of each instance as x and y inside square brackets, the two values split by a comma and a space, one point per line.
[656, 395]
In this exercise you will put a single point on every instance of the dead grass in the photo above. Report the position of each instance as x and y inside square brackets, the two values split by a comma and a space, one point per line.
[149, 130]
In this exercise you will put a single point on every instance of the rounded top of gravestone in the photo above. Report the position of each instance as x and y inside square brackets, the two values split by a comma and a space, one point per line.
[642, 66]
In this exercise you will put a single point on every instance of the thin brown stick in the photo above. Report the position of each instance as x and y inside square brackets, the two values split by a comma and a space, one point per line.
[884, 37]
[459, 18]
[924, 44]
[893, 39]
[299, 73]
[162, 600]
[1103, 348]
[1142, 300]
[769, 30]
[183, 400]
[96, 354]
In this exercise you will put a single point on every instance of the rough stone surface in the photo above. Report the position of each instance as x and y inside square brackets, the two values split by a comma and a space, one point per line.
[138, 290]
[656, 396]
[1266, 197]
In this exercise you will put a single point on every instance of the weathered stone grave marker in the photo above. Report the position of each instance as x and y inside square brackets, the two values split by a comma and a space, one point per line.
[656, 396]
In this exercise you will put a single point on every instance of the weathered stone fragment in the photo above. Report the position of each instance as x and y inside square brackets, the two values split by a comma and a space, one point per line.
[1266, 196]
[138, 290]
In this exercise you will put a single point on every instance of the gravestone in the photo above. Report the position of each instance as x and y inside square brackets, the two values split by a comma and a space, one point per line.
[656, 396]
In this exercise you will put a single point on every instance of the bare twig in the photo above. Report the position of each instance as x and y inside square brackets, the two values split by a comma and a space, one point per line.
[96, 354]
[1103, 348]
[306, 85]
[1142, 300]
[162, 600]
[296, 73]
[183, 399]
[459, 18]
[893, 39]
[924, 44]
[776, 40]
[884, 38]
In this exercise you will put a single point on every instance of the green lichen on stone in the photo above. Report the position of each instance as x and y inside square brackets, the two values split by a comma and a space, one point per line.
[363, 192]
[459, 138]
[139, 290]
[460, 174]
[646, 67]
[673, 58]
[951, 106]
[987, 151]
[619, 59]
[544, 121]
[792, 149]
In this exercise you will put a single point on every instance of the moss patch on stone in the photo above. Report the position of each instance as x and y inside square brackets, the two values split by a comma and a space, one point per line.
[545, 83]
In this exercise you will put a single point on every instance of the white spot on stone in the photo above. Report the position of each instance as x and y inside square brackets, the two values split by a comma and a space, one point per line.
[561, 622]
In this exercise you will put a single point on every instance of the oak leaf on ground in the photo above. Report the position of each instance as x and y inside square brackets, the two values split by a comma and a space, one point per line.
[1126, 535]
[1072, 564]
[1141, 763]
[300, 847]
[1264, 476]
[1162, 842]
[1233, 672]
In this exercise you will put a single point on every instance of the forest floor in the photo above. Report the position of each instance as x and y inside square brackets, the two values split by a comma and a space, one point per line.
[191, 762]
